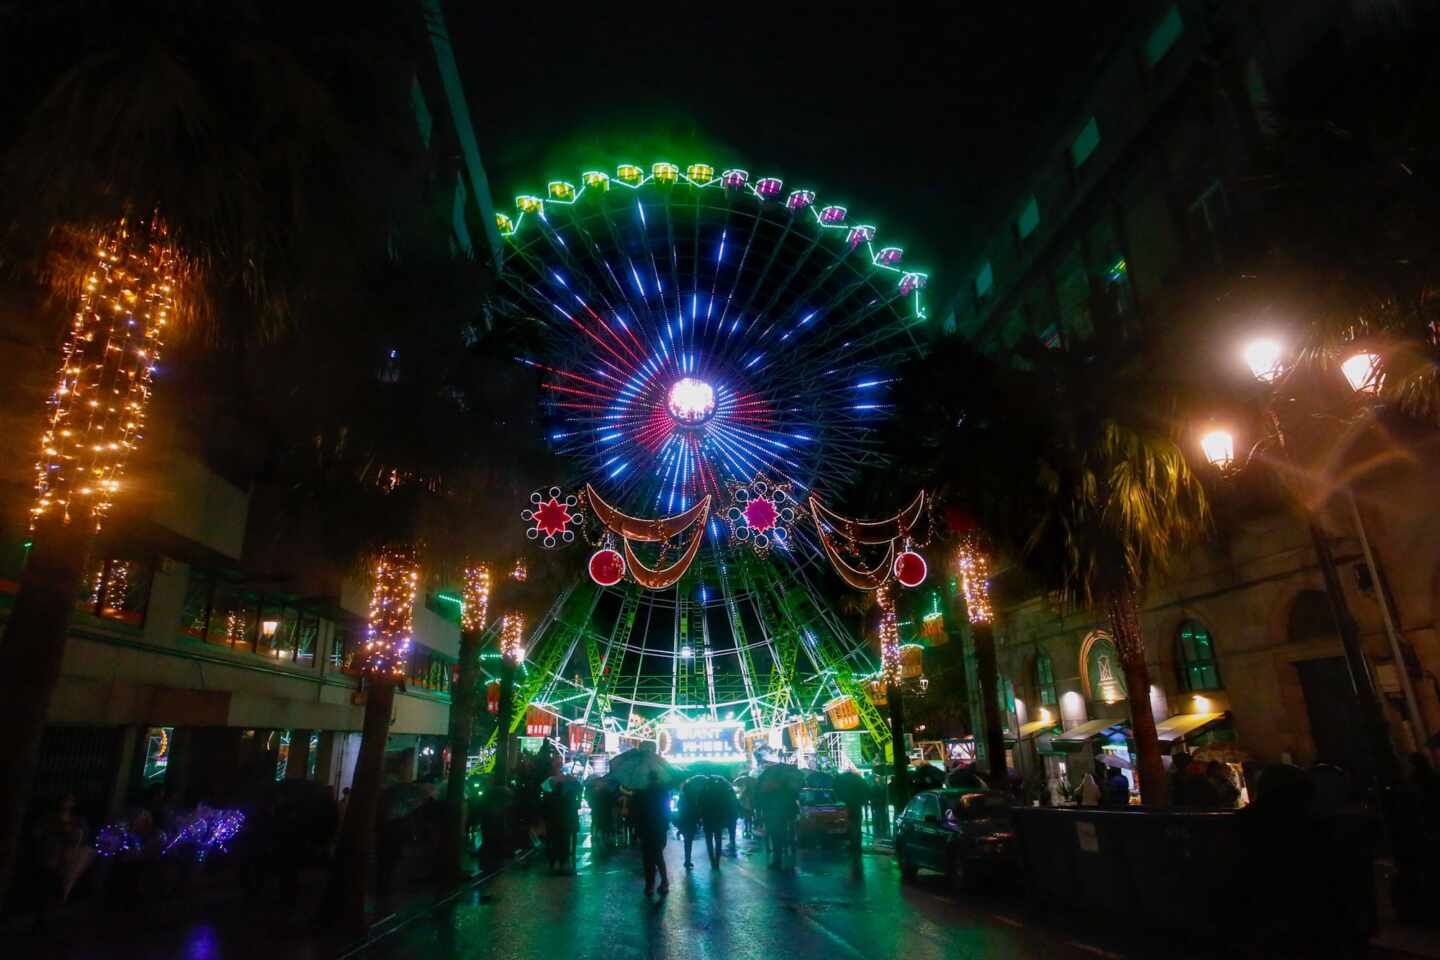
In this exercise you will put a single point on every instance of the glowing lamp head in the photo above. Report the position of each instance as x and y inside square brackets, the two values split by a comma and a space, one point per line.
[691, 401]
[1265, 356]
[1362, 372]
[1219, 448]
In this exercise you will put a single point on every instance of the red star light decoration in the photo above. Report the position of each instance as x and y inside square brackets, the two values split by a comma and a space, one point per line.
[550, 518]
[760, 513]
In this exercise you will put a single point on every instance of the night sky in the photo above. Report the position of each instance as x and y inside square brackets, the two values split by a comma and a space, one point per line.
[917, 118]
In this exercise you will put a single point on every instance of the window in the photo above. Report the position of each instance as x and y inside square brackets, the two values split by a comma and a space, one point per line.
[1028, 220]
[916, 809]
[1045, 679]
[1101, 673]
[341, 649]
[1005, 695]
[1196, 658]
[306, 636]
[984, 282]
[1163, 37]
[234, 619]
[428, 670]
[1085, 143]
[116, 590]
[199, 597]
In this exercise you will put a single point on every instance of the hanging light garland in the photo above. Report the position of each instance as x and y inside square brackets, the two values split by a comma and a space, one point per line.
[512, 636]
[475, 598]
[974, 567]
[392, 612]
[890, 662]
[97, 409]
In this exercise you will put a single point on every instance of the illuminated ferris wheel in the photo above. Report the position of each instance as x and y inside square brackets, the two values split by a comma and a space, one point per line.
[716, 347]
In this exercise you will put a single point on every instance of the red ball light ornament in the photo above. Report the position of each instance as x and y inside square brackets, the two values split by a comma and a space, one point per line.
[607, 567]
[910, 569]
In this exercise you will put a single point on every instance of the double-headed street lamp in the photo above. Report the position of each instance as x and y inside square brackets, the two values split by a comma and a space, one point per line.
[1267, 359]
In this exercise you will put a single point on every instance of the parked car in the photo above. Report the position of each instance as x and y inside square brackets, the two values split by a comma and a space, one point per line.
[822, 816]
[968, 835]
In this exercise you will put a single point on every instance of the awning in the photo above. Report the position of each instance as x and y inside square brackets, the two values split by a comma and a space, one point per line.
[1035, 728]
[1079, 735]
[1183, 724]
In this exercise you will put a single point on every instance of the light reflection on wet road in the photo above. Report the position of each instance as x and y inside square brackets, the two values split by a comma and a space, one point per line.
[832, 906]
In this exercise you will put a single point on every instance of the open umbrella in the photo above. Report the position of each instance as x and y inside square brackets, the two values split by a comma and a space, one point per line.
[819, 778]
[850, 788]
[780, 776]
[402, 799]
[926, 777]
[633, 768]
[966, 777]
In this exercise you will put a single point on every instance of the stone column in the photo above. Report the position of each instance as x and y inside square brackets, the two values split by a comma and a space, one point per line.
[297, 767]
[327, 759]
[132, 742]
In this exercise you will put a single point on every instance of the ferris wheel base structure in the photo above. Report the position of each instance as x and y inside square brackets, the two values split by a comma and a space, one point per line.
[751, 642]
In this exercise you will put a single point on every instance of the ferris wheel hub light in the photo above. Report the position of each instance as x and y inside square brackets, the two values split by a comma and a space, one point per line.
[692, 401]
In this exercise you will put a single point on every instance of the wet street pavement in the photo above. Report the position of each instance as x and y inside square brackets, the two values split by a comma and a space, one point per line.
[832, 906]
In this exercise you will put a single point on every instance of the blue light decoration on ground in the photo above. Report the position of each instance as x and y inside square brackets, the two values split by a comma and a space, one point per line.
[700, 334]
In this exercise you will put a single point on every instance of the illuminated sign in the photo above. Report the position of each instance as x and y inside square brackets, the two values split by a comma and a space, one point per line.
[719, 740]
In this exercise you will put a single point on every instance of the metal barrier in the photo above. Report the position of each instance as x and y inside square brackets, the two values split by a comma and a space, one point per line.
[1236, 876]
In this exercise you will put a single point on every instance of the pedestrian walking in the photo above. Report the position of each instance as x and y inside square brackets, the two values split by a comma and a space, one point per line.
[652, 812]
[560, 804]
[879, 815]
[687, 818]
[718, 808]
[1116, 791]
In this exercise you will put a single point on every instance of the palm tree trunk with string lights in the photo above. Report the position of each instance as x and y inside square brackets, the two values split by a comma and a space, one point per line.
[973, 563]
[474, 614]
[383, 661]
[890, 671]
[127, 278]
[1122, 610]
[985, 667]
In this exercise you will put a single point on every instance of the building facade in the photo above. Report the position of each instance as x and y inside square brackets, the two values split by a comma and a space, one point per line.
[184, 672]
[192, 664]
[1136, 189]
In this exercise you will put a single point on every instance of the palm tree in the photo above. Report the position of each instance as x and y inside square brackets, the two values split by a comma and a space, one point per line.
[218, 142]
[1114, 504]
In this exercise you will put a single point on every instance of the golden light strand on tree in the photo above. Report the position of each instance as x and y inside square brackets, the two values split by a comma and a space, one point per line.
[890, 663]
[974, 567]
[475, 597]
[117, 588]
[512, 636]
[97, 410]
[392, 612]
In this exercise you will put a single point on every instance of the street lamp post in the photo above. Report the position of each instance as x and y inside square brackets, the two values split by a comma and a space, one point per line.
[1266, 359]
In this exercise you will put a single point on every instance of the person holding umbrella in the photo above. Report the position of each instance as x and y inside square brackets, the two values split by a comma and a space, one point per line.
[653, 809]
[560, 799]
[687, 820]
[718, 811]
